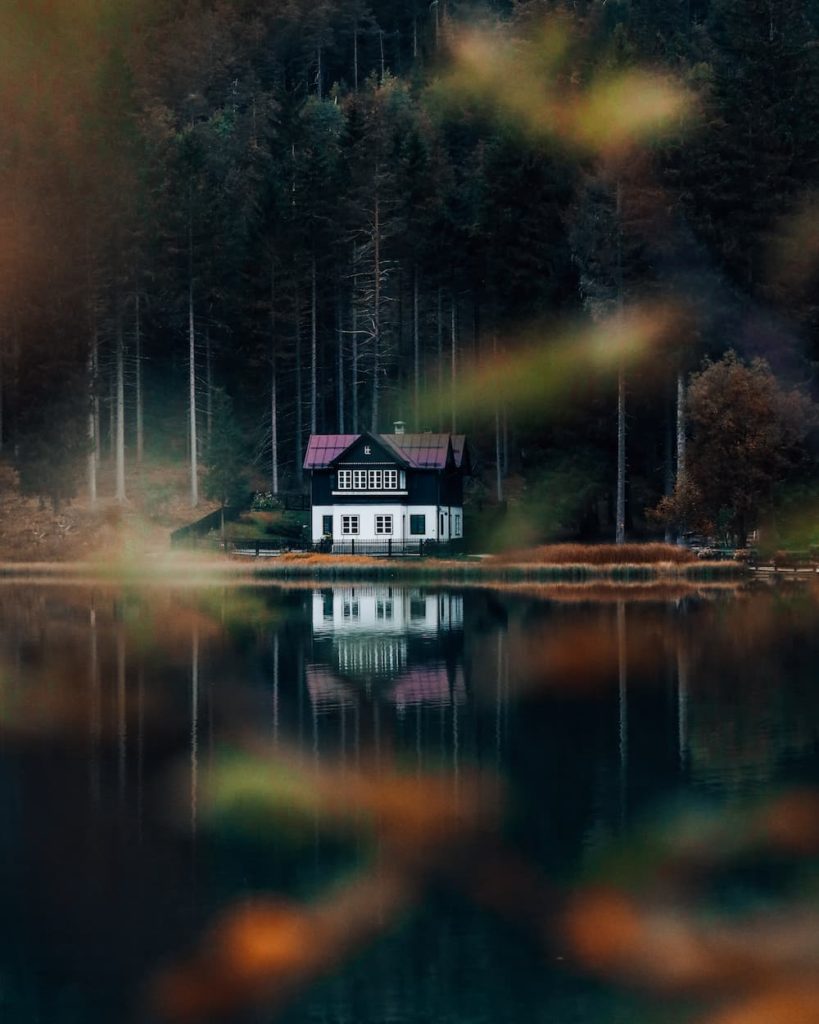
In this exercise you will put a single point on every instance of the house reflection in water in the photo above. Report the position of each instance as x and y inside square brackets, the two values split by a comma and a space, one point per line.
[392, 645]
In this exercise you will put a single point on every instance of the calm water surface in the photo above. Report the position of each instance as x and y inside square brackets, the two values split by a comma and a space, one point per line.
[600, 710]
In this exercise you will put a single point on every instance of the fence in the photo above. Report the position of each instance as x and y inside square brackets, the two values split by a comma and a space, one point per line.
[373, 548]
[390, 548]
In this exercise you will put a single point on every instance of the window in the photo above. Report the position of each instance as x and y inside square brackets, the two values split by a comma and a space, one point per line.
[349, 524]
[383, 525]
[456, 525]
[443, 528]
[418, 526]
[383, 609]
[418, 609]
[370, 480]
[327, 526]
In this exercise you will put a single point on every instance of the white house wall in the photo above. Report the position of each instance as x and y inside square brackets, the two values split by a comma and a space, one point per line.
[372, 610]
[435, 518]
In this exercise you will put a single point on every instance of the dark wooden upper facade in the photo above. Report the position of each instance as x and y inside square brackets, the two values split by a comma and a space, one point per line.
[424, 469]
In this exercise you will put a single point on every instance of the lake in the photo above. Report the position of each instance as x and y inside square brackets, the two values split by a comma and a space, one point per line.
[383, 803]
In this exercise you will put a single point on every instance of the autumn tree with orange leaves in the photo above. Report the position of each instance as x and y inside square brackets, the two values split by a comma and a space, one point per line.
[748, 439]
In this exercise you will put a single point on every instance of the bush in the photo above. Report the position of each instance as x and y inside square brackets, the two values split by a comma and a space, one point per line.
[264, 501]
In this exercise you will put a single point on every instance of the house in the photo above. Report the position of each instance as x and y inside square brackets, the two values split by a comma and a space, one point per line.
[399, 487]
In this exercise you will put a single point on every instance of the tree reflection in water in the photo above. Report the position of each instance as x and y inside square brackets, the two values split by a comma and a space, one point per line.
[503, 752]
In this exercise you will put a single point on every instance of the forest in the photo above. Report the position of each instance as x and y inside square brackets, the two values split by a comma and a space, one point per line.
[265, 218]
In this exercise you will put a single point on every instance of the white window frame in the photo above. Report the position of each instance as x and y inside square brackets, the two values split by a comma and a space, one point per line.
[375, 479]
[456, 524]
[350, 525]
[390, 479]
[383, 525]
[359, 479]
[345, 479]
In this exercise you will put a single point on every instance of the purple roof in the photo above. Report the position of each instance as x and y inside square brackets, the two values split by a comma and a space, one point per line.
[323, 448]
[428, 684]
[420, 451]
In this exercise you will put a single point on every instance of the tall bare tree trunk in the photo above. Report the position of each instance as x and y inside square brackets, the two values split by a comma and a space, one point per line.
[620, 513]
[208, 389]
[440, 318]
[313, 349]
[680, 426]
[453, 379]
[340, 356]
[120, 419]
[93, 440]
[95, 398]
[620, 528]
[498, 434]
[354, 351]
[274, 412]
[112, 412]
[299, 404]
[140, 431]
[192, 396]
[505, 419]
[376, 308]
[416, 349]
[668, 457]
[15, 384]
[355, 57]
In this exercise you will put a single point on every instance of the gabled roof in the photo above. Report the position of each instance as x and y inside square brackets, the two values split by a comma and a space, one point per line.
[418, 451]
[421, 451]
[323, 448]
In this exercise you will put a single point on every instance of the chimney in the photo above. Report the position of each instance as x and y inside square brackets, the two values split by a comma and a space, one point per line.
[399, 426]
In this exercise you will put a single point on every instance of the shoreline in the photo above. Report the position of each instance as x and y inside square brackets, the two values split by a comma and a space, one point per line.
[187, 569]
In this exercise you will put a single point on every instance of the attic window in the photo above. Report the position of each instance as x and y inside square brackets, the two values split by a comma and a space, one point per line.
[370, 480]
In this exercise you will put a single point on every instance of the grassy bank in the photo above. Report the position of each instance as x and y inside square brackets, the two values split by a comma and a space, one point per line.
[329, 568]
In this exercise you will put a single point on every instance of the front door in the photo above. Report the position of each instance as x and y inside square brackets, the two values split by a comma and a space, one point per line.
[327, 526]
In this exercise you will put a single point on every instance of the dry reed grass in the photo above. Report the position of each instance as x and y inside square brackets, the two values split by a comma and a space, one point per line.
[319, 558]
[596, 554]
